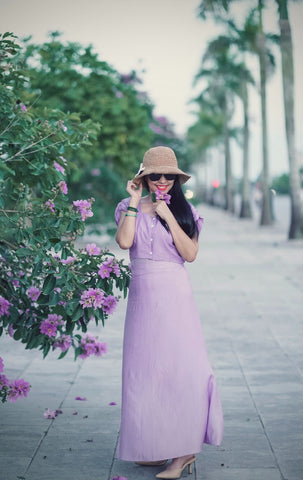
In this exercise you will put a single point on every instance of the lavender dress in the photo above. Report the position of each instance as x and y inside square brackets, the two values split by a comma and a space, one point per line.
[170, 401]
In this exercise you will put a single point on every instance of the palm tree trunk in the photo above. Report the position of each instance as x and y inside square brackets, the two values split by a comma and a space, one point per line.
[229, 199]
[266, 212]
[245, 211]
[296, 222]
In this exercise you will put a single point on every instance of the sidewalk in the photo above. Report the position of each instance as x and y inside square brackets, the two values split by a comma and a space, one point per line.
[248, 284]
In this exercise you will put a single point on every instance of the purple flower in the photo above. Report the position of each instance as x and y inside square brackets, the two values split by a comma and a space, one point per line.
[95, 172]
[112, 403]
[50, 413]
[82, 399]
[1, 365]
[16, 283]
[156, 129]
[3, 381]
[4, 306]
[84, 208]
[63, 187]
[68, 260]
[163, 196]
[92, 249]
[23, 107]
[50, 324]
[55, 319]
[109, 304]
[90, 346]
[59, 167]
[105, 270]
[18, 389]
[63, 342]
[48, 329]
[33, 293]
[100, 349]
[119, 94]
[113, 265]
[93, 297]
[49, 204]
[119, 478]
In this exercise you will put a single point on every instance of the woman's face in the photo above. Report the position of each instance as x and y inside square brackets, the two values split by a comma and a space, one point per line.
[162, 184]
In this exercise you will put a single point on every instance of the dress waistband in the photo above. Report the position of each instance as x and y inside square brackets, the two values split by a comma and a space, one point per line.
[140, 266]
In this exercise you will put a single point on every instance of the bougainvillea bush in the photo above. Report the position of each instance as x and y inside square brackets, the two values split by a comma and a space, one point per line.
[49, 290]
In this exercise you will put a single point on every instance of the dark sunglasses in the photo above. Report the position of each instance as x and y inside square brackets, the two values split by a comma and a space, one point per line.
[156, 176]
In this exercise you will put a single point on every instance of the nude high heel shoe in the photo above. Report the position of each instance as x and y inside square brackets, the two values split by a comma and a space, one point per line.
[173, 474]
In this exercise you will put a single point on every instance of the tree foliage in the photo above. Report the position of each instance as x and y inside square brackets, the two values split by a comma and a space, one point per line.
[49, 289]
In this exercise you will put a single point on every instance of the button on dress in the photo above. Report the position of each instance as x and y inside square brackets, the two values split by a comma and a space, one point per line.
[170, 400]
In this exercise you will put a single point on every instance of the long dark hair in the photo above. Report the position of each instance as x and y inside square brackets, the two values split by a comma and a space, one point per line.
[180, 208]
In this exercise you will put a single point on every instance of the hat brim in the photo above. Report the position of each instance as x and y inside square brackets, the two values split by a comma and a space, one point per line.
[183, 177]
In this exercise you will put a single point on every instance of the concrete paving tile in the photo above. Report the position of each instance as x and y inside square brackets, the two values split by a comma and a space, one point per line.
[13, 467]
[238, 474]
[12, 439]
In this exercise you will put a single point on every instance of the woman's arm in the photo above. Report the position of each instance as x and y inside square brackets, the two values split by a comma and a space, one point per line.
[186, 246]
[127, 224]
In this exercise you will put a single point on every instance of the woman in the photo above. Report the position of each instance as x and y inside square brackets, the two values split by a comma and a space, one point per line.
[170, 402]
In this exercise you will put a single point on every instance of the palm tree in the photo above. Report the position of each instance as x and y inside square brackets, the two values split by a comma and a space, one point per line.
[296, 223]
[228, 78]
[256, 43]
[203, 135]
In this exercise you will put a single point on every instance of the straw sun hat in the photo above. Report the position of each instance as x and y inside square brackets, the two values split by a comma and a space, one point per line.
[160, 160]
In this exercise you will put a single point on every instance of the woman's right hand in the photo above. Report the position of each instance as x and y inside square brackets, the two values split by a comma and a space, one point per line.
[134, 191]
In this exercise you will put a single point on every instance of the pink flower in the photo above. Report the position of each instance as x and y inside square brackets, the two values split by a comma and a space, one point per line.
[1, 365]
[59, 167]
[23, 107]
[68, 260]
[109, 304]
[16, 283]
[63, 187]
[49, 204]
[119, 478]
[18, 389]
[105, 270]
[63, 342]
[119, 94]
[92, 249]
[33, 293]
[4, 306]
[95, 172]
[63, 159]
[61, 124]
[84, 208]
[93, 297]
[50, 413]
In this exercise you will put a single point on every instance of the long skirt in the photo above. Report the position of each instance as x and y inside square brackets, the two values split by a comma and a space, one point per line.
[170, 401]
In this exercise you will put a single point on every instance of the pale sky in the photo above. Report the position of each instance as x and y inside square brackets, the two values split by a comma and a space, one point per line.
[165, 38]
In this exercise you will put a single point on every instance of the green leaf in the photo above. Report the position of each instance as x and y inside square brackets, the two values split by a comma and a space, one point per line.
[23, 252]
[62, 354]
[49, 284]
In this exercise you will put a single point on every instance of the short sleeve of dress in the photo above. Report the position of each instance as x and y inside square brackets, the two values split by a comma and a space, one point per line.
[197, 217]
[121, 207]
